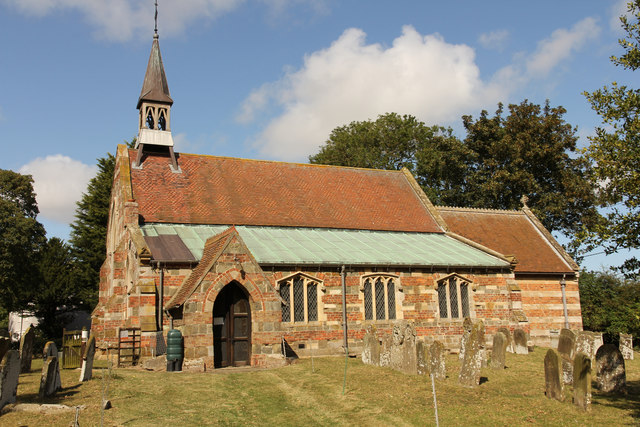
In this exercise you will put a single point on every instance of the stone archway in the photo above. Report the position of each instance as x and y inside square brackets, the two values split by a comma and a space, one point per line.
[232, 327]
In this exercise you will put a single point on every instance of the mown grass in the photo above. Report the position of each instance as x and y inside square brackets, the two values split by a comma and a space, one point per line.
[296, 395]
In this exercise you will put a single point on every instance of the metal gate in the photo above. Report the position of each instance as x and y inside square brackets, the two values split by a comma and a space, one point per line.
[71, 349]
[128, 346]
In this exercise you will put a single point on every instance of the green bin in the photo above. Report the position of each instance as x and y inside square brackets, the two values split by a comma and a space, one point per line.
[175, 350]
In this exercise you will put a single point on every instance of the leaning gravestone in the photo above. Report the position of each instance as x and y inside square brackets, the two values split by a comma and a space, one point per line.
[50, 373]
[467, 325]
[582, 381]
[610, 371]
[9, 374]
[554, 386]
[50, 350]
[473, 354]
[371, 347]
[5, 345]
[499, 352]
[26, 350]
[566, 349]
[520, 341]
[507, 333]
[626, 346]
[437, 360]
[87, 359]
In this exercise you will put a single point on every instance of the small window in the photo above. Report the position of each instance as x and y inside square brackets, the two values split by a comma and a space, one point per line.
[453, 298]
[379, 297]
[299, 295]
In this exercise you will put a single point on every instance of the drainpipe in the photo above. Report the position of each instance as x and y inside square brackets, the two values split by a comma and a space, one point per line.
[563, 285]
[344, 309]
[161, 298]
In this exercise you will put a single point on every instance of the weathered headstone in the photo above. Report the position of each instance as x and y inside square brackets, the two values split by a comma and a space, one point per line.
[467, 325]
[520, 341]
[585, 343]
[26, 350]
[371, 347]
[50, 374]
[421, 358]
[5, 345]
[598, 342]
[385, 351]
[566, 349]
[9, 374]
[472, 363]
[50, 350]
[582, 381]
[499, 352]
[86, 371]
[554, 386]
[507, 333]
[437, 360]
[403, 353]
[610, 371]
[626, 346]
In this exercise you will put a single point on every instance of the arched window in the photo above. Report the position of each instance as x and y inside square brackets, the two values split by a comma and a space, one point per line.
[380, 297]
[453, 297]
[299, 294]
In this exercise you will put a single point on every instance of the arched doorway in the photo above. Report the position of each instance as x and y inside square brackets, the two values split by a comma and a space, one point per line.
[231, 327]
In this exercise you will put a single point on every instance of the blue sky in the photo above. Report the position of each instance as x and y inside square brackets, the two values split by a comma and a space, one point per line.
[270, 79]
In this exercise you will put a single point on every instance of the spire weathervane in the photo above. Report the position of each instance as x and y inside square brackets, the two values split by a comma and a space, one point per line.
[156, 19]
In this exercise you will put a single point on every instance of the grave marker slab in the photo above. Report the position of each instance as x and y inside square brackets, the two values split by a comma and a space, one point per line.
[499, 352]
[50, 375]
[86, 371]
[582, 381]
[437, 360]
[507, 333]
[422, 358]
[520, 341]
[467, 325]
[26, 350]
[50, 350]
[371, 347]
[9, 374]
[610, 371]
[626, 346]
[566, 349]
[554, 386]
[472, 363]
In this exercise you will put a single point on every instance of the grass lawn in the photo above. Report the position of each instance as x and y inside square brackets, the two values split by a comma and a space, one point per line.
[296, 395]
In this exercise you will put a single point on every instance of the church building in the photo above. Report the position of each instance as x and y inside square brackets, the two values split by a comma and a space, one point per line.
[249, 258]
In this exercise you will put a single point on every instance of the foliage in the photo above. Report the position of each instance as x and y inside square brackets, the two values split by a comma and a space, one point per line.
[529, 152]
[89, 230]
[615, 149]
[609, 304]
[21, 238]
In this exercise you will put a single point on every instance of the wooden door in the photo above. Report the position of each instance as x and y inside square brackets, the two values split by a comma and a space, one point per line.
[231, 328]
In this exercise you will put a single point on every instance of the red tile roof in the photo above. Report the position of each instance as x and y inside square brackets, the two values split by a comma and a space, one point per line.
[510, 233]
[222, 190]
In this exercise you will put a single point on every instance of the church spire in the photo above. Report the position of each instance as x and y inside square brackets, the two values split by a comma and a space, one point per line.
[154, 105]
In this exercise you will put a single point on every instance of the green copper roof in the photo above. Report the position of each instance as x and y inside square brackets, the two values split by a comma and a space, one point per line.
[320, 246]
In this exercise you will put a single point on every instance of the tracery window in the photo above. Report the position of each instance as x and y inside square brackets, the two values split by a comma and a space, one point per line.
[299, 294]
[453, 297]
[380, 297]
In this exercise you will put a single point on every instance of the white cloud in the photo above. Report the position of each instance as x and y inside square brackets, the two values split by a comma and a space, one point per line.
[58, 182]
[494, 39]
[352, 80]
[617, 10]
[560, 45]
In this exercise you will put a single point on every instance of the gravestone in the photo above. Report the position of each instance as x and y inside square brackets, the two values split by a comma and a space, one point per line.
[554, 386]
[49, 378]
[385, 351]
[598, 342]
[499, 352]
[403, 352]
[585, 343]
[626, 346]
[5, 345]
[507, 333]
[436, 360]
[467, 325]
[421, 358]
[520, 341]
[472, 363]
[610, 371]
[26, 350]
[371, 347]
[50, 350]
[9, 374]
[582, 381]
[566, 349]
[86, 371]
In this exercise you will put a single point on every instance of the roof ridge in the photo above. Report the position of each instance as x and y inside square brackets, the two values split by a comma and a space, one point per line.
[487, 210]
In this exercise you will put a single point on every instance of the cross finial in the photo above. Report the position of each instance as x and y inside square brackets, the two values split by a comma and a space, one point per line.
[524, 199]
[156, 19]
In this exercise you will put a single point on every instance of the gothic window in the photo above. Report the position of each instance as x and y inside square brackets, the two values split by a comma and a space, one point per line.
[299, 294]
[150, 121]
[380, 297]
[162, 122]
[453, 298]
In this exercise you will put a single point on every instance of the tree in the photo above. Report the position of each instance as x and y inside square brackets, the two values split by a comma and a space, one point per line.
[530, 152]
[89, 230]
[433, 154]
[615, 149]
[21, 238]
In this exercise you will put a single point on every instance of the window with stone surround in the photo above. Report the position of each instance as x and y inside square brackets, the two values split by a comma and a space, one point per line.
[454, 297]
[379, 291]
[300, 298]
